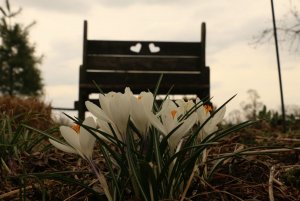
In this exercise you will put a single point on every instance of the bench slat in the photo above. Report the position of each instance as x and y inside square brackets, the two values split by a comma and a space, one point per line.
[138, 82]
[143, 63]
[123, 48]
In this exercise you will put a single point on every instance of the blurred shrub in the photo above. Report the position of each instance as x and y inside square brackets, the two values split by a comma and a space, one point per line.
[17, 140]
[30, 111]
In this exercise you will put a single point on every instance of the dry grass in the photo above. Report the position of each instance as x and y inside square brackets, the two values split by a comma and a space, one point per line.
[30, 111]
[272, 176]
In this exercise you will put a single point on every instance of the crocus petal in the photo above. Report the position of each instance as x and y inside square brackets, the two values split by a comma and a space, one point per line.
[202, 114]
[156, 123]
[104, 127]
[86, 139]
[167, 105]
[169, 122]
[105, 101]
[174, 140]
[120, 108]
[139, 108]
[185, 106]
[128, 92]
[63, 147]
[218, 117]
[138, 115]
[147, 100]
[209, 128]
[70, 136]
[211, 125]
[97, 111]
[188, 123]
[182, 131]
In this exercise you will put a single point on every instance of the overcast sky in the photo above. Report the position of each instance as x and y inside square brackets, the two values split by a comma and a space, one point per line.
[236, 66]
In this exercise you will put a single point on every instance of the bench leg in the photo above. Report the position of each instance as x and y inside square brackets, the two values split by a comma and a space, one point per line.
[81, 106]
[81, 114]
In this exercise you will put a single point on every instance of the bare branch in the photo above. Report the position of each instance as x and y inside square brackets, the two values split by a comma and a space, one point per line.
[288, 31]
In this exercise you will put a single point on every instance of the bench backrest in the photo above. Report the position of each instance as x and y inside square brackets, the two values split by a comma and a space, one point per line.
[113, 65]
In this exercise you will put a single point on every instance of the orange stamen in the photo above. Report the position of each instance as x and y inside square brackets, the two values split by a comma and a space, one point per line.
[208, 108]
[76, 128]
[173, 113]
[139, 97]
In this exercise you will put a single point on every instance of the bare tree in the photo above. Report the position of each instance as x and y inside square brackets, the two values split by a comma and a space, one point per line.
[252, 106]
[288, 29]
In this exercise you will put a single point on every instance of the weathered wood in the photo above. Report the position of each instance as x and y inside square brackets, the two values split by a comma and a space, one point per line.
[183, 83]
[158, 63]
[114, 65]
[123, 48]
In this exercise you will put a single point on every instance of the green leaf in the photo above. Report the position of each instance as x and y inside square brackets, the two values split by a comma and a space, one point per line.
[157, 86]
[98, 87]
[45, 134]
[133, 168]
[164, 141]
[157, 152]
[155, 105]
[113, 153]
[62, 176]
[148, 171]
[110, 168]
[215, 167]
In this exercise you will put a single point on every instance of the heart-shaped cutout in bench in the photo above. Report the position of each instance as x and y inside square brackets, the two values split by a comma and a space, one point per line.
[136, 48]
[153, 48]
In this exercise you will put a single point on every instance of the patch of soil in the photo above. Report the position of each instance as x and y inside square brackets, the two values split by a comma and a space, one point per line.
[242, 177]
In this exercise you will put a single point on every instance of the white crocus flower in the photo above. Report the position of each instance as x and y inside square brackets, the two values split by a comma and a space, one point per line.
[115, 109]
[82, 142]
[79, 139]
[140, 107]
[185, 105]
[169, 115]
[203, 113]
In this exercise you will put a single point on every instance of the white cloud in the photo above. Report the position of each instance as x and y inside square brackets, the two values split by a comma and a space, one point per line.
[66, 6]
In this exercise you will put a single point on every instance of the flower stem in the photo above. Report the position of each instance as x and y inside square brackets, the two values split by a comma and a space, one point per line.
[188, 183]
[102, 180]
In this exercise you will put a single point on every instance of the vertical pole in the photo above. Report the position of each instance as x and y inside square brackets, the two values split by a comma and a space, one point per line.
[278, 65]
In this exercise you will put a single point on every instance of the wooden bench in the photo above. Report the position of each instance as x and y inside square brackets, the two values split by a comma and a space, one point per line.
[113, 65]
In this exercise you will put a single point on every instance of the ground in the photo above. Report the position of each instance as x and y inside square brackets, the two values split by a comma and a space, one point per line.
[260, 176]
